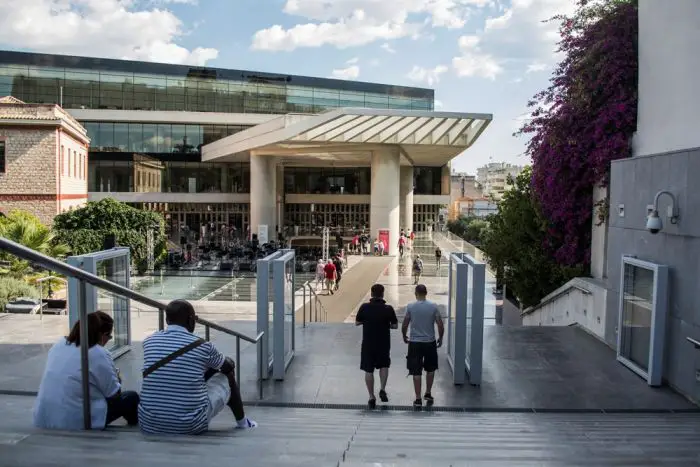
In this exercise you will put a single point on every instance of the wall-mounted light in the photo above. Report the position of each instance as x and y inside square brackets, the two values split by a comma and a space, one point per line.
[654, 224]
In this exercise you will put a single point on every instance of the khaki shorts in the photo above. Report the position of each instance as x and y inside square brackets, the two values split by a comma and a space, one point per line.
[219, 393]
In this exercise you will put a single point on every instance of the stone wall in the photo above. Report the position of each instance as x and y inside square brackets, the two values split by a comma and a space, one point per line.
[30, 161]
[44, 208]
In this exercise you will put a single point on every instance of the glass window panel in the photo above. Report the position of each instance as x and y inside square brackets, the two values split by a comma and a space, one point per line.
[150, 137]
[106, 136]
[165, 138]
[136, 137]
[194, 138]
[93, 130]
[121, 136]
[179, 141]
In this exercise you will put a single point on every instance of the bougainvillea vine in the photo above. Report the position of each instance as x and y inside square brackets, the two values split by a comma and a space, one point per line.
[583, 121]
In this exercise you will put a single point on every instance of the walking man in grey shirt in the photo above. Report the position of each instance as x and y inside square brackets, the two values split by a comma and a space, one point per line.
[422, 316]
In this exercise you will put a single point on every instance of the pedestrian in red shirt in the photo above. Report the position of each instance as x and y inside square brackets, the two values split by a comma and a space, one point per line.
[330, 271]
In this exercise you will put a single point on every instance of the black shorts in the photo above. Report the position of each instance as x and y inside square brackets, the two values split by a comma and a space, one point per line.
[375, 358]
[421, 356]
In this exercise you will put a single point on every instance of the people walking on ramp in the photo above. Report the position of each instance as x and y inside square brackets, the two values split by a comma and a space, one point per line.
[422, 316]
[377, 318]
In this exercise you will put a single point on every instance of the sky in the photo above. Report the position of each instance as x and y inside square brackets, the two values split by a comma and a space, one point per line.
[485, 56]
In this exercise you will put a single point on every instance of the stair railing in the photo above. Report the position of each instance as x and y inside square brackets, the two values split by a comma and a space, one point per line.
[84, 278]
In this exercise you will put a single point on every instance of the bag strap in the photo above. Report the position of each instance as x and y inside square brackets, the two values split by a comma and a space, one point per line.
[169, 358]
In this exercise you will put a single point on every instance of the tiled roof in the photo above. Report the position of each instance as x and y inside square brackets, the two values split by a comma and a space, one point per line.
[10, 100]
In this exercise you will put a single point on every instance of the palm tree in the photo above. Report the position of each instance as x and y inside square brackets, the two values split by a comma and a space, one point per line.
[27, 230]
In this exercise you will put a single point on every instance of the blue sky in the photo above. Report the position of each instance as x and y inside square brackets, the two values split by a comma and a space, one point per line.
[487, 56]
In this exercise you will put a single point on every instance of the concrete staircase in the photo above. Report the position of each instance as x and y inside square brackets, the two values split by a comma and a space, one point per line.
[345, 438]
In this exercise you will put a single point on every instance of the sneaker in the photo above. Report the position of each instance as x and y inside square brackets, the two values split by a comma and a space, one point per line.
[383, 396]
[372, 403]
[246, 424]
[428, 399]
[417, 404]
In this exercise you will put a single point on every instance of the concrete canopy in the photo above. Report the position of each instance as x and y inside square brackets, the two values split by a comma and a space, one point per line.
[349, 135]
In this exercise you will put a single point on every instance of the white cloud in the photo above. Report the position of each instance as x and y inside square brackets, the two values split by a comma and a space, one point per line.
[348, 23]
[524, 30]
[351, 72]
[536, 67]
[352, 61]
[438, 104]
[387, 48]
[374, 62]
[429, 76]
[104, 28]
[472, 62]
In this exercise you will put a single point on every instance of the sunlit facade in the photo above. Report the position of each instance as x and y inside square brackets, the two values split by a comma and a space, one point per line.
[149, 125]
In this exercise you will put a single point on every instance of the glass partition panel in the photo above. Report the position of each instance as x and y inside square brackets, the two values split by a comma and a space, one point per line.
[642, 318]
[115, 270]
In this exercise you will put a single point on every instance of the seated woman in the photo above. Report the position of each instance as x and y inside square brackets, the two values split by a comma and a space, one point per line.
[59, 404]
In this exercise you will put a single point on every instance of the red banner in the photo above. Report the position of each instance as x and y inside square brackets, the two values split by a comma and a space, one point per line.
[383, 237]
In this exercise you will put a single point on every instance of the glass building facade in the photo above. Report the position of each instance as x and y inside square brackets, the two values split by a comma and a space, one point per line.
[94, 83]
[155, 138]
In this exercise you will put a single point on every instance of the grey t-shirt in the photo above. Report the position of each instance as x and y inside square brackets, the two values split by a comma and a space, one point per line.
[423, 314]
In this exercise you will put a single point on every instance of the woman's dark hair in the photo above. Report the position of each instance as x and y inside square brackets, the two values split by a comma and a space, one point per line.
[98, 323]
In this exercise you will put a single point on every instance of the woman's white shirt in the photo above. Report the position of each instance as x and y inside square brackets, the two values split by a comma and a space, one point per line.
[59, 404]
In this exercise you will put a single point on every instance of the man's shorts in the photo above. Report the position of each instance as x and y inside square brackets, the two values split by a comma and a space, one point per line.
[219, 393]
[375, 358]
[421, 356]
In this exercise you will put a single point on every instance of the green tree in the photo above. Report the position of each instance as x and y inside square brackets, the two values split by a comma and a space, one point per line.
[85, 229]
[514, 243]
[24, 228]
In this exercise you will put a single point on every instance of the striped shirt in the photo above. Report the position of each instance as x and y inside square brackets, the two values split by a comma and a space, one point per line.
[174, 398]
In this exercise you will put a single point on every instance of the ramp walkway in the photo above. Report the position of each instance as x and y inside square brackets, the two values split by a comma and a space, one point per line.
[549, 396]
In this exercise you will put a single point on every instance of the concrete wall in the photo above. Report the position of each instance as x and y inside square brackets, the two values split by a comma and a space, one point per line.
[634, 182]
[580, 301]
[669, 99]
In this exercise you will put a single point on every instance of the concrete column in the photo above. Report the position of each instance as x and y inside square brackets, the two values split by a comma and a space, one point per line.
[263, 202]
[406, 195]
[279, 193]
[384, 198]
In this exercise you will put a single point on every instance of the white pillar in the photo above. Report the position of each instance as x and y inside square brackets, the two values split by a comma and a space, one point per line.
[406, 195]
[384, 198]
[263, 193]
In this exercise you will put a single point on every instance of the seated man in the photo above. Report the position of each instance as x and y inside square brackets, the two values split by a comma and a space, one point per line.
[186, 381]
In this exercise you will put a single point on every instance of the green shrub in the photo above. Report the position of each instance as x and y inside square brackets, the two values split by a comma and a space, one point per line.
[12, 289]
[85, 229]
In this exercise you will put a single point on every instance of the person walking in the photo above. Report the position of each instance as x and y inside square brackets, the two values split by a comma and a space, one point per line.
[417, 269]
[338, 263]
[402, 244]
[438, 257]
[421, 317]
[331, 276]
[377, 318]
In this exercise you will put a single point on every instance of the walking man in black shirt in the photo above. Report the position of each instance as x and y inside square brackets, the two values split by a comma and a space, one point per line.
[377, 319]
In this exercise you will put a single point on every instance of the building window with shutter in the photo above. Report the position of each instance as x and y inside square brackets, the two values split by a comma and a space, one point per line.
[3, 164]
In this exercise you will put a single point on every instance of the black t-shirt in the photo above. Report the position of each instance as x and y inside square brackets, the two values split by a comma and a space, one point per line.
[338, 267]
[376, 318]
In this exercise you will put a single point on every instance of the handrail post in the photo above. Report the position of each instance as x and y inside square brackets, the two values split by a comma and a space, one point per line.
[238, 360]
[303, 309]
[84, 352]
[161, 319]
[260, 367]
[207, 333]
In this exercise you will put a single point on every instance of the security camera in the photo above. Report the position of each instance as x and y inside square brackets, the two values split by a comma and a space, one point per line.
[654, 224]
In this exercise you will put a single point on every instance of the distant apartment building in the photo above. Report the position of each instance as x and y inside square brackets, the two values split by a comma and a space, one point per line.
[493, 178]
[43, 159]
[467, 199]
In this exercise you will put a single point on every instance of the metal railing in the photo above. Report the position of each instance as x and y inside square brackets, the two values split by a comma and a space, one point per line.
[317, 312]
[85, 278]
